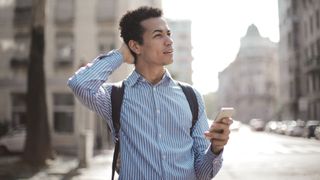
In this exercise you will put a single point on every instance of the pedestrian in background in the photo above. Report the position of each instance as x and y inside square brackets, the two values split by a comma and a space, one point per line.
[157, 139]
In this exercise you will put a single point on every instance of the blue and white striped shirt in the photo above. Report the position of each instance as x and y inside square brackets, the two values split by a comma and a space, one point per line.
[155, 141]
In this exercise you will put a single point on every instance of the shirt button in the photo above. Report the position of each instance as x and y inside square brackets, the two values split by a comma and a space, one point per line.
[154, 89]
[158, 111]
[159, 135]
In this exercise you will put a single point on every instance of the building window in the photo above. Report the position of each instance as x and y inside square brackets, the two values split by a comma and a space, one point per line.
[292, 89]
[318, 19]
[305, 52]
[313, 48]
[318, 47]
[251, 89]
[23, 13]
[64, 49]
[304, 2]
[312, 110]
[295, 34]
[63, 120]
[317, 81]
[18, 112]
[311, 24]
[106, 10]
[22, 45]
[270, 88]
[21, 50]
[64, 11]
[290, 40]
[106, 42]
[305, 25]
[314, 82]
[310, 52]
[310, 83]
[317, 110]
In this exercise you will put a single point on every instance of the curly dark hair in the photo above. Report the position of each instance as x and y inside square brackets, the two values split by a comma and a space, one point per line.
[130, 23]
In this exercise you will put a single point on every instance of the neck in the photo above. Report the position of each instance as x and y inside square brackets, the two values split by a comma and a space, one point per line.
[153, 75]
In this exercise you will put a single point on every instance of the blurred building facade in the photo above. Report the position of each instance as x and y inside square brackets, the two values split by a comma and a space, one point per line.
[250, 82]
[76, 32]
[181, 33]
[299, 54]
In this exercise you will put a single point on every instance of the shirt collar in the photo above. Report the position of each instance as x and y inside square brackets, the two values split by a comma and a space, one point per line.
[135, 77]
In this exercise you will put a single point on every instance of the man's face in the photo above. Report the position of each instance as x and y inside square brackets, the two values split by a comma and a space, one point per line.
[156, 49]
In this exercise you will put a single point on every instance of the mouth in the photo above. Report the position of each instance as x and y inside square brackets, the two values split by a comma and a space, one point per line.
[170, 51]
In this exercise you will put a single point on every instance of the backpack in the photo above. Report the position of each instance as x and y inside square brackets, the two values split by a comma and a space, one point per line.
[117, 92]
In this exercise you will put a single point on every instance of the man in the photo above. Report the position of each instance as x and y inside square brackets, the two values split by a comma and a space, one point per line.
[155, 138]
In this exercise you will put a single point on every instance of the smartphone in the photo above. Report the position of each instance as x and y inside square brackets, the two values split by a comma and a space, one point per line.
[224, 113]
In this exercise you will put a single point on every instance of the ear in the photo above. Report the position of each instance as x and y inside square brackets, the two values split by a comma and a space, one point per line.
[134, 46]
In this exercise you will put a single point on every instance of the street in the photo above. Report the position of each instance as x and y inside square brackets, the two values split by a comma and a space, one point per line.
[248, 156]
[260, 155]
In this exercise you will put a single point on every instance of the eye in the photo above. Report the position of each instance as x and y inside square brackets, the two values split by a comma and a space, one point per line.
[169, 34]
[157, 35]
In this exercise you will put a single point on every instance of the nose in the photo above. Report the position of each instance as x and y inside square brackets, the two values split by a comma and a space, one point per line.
[169, 40]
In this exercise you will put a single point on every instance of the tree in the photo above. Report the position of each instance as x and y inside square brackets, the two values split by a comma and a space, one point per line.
[38, 147]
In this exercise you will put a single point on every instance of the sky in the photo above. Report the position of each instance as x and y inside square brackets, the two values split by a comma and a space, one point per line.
[216, 29]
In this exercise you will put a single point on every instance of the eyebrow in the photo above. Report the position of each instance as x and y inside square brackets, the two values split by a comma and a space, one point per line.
[160, 31]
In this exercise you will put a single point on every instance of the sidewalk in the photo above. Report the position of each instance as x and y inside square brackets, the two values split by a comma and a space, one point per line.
[62, 168]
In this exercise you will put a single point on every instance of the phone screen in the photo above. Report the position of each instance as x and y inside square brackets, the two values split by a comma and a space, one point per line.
[224, 113]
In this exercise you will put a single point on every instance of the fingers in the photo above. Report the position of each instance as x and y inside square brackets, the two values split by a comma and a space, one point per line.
[227, 121]
[221, 125]
[224, 135]
[127, 56]
[219, 132]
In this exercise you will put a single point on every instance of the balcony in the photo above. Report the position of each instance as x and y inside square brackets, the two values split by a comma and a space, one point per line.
[63, 63]
[64, 12]
[312, 64]
[67, 20]
[22, 16]
[313, 95]
[19, 62]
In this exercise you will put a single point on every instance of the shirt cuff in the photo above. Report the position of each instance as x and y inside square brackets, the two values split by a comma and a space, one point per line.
[215, 158]
[115, 53]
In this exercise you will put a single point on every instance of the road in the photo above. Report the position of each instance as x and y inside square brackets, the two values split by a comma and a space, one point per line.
[248, 156]
[264, 156]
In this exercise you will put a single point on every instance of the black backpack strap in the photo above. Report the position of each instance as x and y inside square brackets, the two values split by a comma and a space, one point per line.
[117, 92]
[192, 100]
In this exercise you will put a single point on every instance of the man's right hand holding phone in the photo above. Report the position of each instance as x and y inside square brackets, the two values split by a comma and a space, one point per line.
[219, 131]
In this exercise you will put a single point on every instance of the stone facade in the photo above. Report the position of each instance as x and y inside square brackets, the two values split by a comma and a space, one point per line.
[299, 52]
[250, 82]
[76, 32]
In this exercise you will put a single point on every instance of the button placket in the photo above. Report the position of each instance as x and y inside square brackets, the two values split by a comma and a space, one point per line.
[157, 111]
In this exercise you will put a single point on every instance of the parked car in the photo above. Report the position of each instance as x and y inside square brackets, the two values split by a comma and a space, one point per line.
[309, 129]
[13, 141]
[235, 126]
[279, 127]
[257, 124]
[317, 132]
[282, 126]
[295, 128]
[271, 126]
